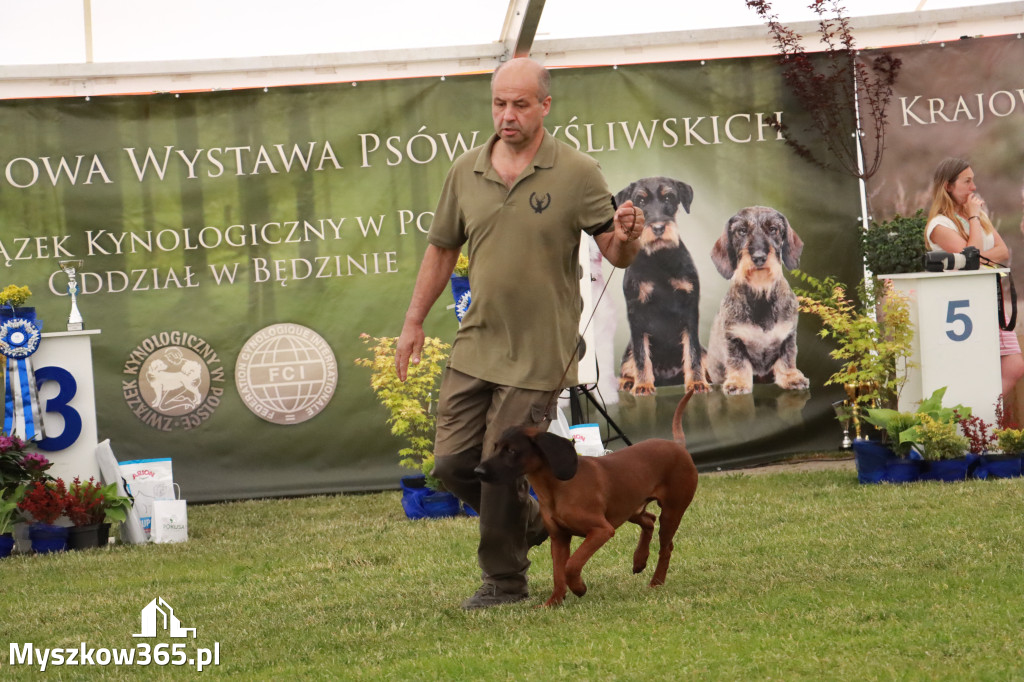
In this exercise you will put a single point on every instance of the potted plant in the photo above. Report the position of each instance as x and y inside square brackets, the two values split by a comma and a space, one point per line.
[12, 302]
[9, 515]
[944, 448]
[410, 417]
[1010, 442]
[17, 469]
[45, 502]
[92, 508]
[18, 466]
[903, 435]
[895, 245]
[874, 351]
[892, 460]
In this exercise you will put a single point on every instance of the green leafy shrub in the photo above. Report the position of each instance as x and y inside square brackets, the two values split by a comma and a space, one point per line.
[896, 245]
[940, 439]
[408, 402]
[1010, 441]
[903, 429]
[872, 349]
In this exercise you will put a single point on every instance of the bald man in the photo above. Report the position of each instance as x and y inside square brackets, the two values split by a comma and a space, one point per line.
[519, 204]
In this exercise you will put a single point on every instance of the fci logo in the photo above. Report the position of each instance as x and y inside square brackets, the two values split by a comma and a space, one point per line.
[159, 614]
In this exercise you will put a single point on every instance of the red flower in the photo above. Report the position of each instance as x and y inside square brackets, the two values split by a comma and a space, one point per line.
[85, 502]
[45, 501]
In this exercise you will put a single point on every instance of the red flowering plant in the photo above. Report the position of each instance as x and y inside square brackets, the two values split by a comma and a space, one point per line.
[45, 501]
[978, 432]
[85, 505]
[90, 503]
[1008, 434]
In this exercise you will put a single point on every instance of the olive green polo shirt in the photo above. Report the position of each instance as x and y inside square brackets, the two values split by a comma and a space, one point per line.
[523, 247]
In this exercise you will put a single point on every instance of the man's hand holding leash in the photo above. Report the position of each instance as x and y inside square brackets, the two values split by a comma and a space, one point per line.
[621, 244]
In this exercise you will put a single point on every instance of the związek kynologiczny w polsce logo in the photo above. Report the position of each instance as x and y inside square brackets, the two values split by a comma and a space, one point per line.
[157, 617]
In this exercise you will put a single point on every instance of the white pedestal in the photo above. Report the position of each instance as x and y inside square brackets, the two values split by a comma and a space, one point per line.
[956, 338]
[67, 396]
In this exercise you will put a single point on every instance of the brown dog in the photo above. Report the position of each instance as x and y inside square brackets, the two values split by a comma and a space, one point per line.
[590, 497]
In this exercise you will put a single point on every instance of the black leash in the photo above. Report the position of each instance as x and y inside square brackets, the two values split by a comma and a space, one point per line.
[1004, 324]
[575, 351]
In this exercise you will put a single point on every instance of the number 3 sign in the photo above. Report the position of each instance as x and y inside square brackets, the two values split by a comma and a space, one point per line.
[67, 397]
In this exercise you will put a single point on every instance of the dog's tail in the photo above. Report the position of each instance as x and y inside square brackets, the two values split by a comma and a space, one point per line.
[677, 419]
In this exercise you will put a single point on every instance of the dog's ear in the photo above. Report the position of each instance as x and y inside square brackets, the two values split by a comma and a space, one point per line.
[723, 256]
[560, 454]
[792, 248]
[685, 194]
[624, 194]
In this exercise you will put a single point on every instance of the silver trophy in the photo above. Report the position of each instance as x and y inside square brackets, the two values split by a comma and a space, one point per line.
[844, 413]
[70, 268]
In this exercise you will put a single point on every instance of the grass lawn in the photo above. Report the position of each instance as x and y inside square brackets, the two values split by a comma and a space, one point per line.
[790, 576]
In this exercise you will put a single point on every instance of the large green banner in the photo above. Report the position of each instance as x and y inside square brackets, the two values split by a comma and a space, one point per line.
[236, 244]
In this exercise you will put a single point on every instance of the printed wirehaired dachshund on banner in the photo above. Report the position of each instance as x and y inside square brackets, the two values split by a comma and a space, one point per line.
[753, 336]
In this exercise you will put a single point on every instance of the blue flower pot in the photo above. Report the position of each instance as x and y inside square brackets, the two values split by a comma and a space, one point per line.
[871, 457]
[421, 502]
[948, 470]
[902, 470]
[46, 538]
[6, 545]
[998, 466]
[439, 505]
[413, 489]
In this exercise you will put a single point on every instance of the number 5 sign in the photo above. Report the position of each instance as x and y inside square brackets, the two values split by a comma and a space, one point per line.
[957, 314]
[956, 338]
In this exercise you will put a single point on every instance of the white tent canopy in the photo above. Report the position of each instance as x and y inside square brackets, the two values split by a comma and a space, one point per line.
[79, 47]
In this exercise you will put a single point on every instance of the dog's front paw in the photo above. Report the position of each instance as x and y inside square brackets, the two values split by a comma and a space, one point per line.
[643, 389]
[698, 386]
[578, 587]
[792, 380]
[626, 383]
[732, 387]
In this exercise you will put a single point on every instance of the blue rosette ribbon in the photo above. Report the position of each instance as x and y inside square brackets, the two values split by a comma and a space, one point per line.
[461, 294]
[19, 339]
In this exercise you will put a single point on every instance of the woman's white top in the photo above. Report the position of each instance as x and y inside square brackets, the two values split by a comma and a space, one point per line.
[988, 241]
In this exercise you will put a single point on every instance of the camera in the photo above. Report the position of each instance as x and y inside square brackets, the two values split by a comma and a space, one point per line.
[968, 259]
